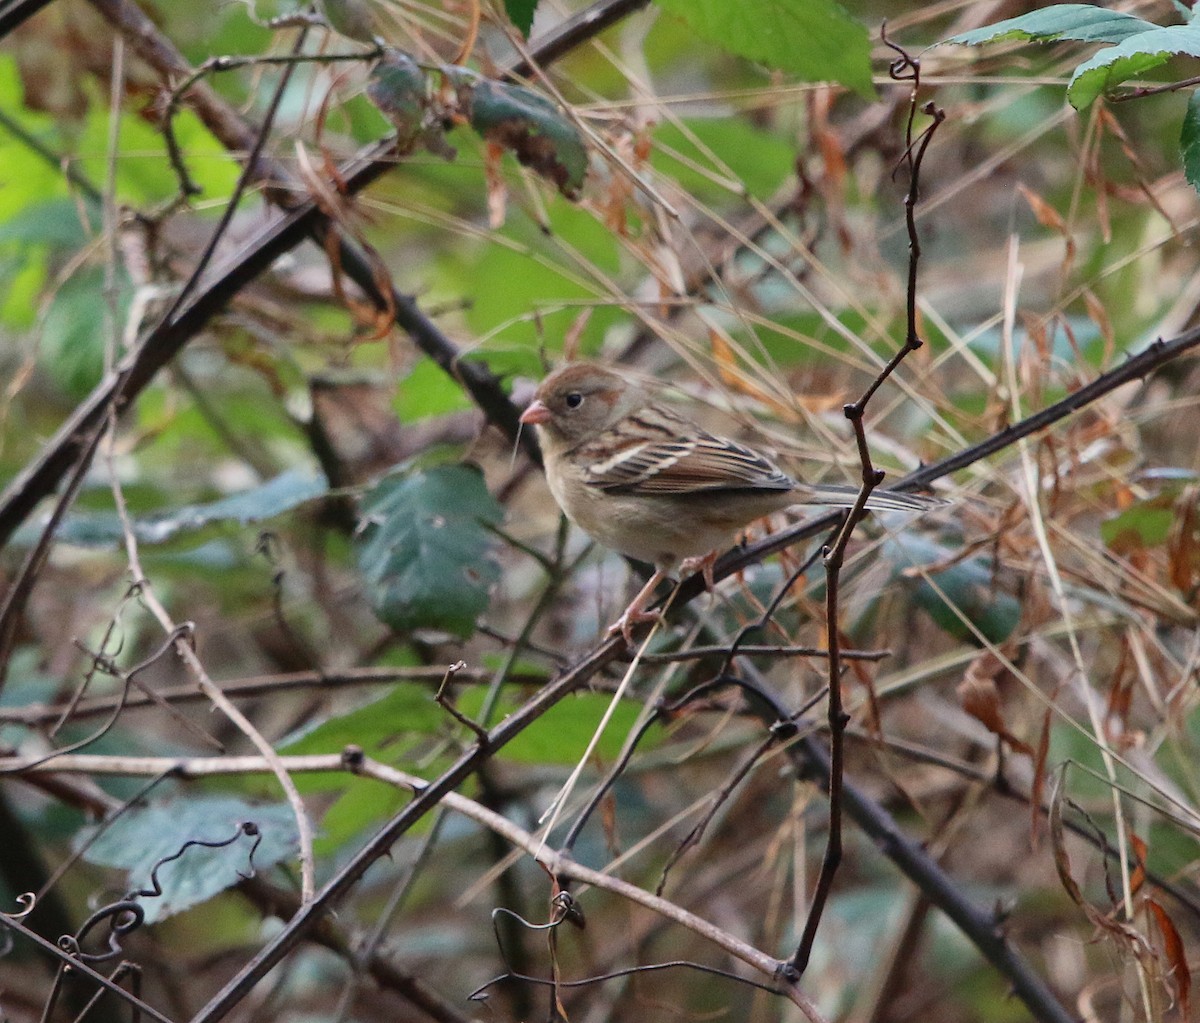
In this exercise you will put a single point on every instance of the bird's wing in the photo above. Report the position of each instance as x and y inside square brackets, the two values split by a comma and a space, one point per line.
[659, 454]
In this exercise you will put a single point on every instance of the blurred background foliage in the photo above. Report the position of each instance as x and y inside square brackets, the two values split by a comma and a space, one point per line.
[739, 237]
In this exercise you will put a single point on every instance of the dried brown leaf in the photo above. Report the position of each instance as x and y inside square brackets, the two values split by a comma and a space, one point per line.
[497, 191]
[1138, 877]
[1176, 955]
[980, 697]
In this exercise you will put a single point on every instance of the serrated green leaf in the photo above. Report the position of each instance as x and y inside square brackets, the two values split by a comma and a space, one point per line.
[1134, 56]
[1147, 524]
[816, 40]
[533, 129]
[1189, 141]
[398, 87]
[400, 90]
[1084, 23]
[520, 13]
[422, 548]
[103, 529]
[137, 841]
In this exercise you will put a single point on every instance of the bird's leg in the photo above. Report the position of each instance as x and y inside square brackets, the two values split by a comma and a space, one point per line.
[635, 614]
[704, 565]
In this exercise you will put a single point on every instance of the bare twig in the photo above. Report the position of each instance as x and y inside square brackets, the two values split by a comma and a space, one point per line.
[265, 685]
[905, 67]
[695, 653]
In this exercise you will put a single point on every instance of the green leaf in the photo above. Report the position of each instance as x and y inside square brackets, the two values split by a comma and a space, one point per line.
[352, 18]
[532, 128]
[55, 222]
[429, 391]
[562, 734]
[362, 804]
[21, 282]
[1189, 141]
[422, 548]
[525, 294]
[1147, 524]
[400, 89]
[967, 588]
[758, 159]
[73, 333]
[140, 839]
[815, 40]
[1128, 59]
[1084, 23]
[520, 13]
[408, 708]
[276, 496]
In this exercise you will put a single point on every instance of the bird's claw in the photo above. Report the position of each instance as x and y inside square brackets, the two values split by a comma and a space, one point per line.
[625, 624]
[702, 564]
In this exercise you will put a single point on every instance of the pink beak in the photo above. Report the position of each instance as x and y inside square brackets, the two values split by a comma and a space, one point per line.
[537, 412]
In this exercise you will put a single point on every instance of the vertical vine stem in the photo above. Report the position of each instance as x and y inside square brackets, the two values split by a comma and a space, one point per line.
[904, 68]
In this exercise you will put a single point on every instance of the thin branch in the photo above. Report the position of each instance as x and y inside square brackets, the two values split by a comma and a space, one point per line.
[272, 900]
[35, 145]
[76, 965]
[378, 846]
[264, 685]
[1135, 367]
[695, 653]
[14, 14]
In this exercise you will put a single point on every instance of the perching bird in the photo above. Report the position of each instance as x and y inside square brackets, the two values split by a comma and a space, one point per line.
[647, 482]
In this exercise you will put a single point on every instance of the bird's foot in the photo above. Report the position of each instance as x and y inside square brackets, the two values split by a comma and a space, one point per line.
[702, 564]
[631, 617]
[635, 614]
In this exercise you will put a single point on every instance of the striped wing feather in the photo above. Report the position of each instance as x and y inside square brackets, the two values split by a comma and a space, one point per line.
[654, 452]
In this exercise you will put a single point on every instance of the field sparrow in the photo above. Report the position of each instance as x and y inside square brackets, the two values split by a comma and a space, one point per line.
[645, 481]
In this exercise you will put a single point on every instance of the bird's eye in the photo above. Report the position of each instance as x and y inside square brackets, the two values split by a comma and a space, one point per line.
[574, 399]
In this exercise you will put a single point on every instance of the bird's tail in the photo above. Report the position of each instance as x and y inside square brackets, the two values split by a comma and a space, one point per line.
[833, 496]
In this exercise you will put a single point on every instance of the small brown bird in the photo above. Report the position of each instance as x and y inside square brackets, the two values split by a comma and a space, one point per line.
[647, 482]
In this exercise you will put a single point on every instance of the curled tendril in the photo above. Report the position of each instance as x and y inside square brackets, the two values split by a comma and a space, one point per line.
[127, 914]
[567, 907]
[248, 828]
[123, 917]
[905, 67]
[27, 900]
